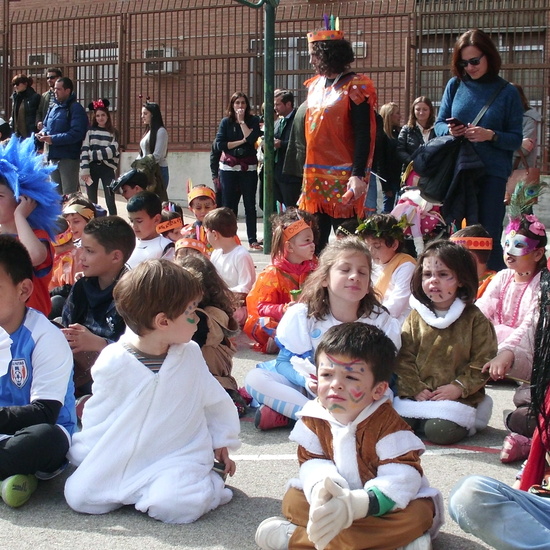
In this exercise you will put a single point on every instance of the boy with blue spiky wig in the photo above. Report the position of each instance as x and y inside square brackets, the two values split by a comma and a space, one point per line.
[29, 206]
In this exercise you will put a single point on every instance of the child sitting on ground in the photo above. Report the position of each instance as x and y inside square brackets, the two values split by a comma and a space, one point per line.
[216, 326]
[144, 212]
[446, 342]
[157, 419]
[78, 211]
[233, 262]
[511, 303]
[89, 315]
[361, 483]
[171, 221]
[201, 200]
[392, 269]
[478, 241]
[277, 286]
[338, 291]
[36, 387]
[29, 209]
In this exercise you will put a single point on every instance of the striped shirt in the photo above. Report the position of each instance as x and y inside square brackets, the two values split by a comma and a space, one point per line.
[99, 145]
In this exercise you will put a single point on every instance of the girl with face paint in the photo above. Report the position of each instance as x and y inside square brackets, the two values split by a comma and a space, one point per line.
[511, 303]
[446, 342]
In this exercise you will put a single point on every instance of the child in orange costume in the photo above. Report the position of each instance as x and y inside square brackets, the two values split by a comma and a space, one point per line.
[292, 260]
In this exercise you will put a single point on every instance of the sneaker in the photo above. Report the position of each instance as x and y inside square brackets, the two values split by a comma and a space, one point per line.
[238, 401]
[421, 543]
[268, 419]
[271, 348]
[79, 405]
[515, 447]
[274, 533]
[245, 395]
[17, 489]
[45, 476]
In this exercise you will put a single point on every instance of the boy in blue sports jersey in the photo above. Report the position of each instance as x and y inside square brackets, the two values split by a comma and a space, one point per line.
[37, 416]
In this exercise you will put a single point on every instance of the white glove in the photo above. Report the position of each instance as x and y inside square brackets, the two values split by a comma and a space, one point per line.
[337, 514]
[319, 496]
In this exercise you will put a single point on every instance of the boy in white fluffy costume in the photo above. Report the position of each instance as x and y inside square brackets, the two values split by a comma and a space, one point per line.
[157, 418]
[361, 483]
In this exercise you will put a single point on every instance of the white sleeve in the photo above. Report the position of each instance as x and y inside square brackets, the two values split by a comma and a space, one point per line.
[396, 299]
[246, 273]
[388, 325]
[52, 363]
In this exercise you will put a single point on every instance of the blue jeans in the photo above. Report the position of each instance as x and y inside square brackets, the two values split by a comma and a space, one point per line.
[502, 517]
[491, 214]
[372, 197]
[165, 176]
[235, 184]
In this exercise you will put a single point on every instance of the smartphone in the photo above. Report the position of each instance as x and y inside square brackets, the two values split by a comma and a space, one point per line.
[454, 121]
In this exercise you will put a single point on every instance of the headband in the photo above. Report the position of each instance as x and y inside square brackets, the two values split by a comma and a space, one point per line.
[201, 191]
[293, 229]
[86, 212]
[473, 243]
[176, 223]
[330, 32]
[191, 243]
[63, 238]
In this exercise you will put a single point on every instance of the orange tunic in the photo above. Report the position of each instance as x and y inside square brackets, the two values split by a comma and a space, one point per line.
[330, 143]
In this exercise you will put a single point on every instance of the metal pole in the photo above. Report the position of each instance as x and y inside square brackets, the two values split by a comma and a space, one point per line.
[269, 123]
[5, 57]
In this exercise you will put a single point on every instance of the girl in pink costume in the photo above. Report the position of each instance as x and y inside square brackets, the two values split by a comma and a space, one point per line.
[511, 303]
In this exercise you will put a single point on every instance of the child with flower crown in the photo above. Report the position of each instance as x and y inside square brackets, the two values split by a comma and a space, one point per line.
[392, 269]
[511, 304]
[292, 260]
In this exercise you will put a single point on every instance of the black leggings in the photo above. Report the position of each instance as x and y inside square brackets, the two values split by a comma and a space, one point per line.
[101, 172]
[39, 448]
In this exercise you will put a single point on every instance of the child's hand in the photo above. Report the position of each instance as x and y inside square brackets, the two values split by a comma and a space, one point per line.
[222, 455]
[424, 395]
[25, 207]
[450, 392]
[81, 339]
[500, 365]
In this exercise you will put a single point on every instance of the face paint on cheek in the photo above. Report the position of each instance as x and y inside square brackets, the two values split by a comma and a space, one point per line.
[335, 407]
[356, 395]
[190, 309]
[190, 320]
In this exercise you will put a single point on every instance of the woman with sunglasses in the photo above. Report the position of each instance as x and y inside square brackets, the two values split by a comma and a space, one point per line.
[475, 65]
[25, 101]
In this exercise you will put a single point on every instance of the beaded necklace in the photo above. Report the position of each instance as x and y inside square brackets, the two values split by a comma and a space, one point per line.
[517, 304]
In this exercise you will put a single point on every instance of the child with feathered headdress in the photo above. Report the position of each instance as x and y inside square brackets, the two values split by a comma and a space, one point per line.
[29, 206]
[511, 303]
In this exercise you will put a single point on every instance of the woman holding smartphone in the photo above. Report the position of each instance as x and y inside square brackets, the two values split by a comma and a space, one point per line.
[475, 65]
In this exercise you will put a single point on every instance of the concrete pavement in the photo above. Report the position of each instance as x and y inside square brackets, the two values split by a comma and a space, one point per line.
[265, 462]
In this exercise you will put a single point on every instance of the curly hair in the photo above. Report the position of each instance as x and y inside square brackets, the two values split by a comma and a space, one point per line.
[315, 293]
[215, 290]
[540, 377]
[335, 56]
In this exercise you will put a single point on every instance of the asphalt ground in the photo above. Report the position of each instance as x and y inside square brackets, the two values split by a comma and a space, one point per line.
[265, 462]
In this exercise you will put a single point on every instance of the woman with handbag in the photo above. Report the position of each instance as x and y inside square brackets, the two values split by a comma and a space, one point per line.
[475, 65]
[236, 137]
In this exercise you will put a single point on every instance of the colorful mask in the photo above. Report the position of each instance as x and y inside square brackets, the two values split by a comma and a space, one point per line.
[519, 245]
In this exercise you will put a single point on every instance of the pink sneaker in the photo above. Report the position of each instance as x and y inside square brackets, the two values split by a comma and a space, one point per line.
[515, 447]
[268, 419]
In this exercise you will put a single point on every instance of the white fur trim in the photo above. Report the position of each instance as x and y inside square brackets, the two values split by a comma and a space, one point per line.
[399, 482]
[430, 318]
[302, 435]
[461, 414]
[316, 471]
[483, 413]
[345, 454]
[397, 444]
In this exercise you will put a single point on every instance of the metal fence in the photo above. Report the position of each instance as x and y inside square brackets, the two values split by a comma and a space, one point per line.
[190, 59]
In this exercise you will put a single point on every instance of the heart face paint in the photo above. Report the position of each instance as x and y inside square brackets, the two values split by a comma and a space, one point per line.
[439, 283]
[345, 386]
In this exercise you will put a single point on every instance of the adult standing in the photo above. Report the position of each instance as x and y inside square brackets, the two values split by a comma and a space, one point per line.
[100, 155]
[287, 187]
[391, 168]
[25, 101]
[475, 65]
[236, 137]
[418, 130]
[340, 131]
[154, 143]
[530, 130]
[64, 129]
[47, 98]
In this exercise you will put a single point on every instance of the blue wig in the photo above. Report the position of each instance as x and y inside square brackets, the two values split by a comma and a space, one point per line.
[27, 173]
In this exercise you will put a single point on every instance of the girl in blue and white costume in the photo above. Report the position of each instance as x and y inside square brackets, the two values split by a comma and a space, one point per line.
[338, 291]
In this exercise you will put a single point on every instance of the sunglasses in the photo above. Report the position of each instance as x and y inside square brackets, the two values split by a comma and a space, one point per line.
[51, 77]
[474, 61]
